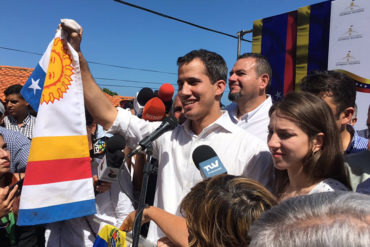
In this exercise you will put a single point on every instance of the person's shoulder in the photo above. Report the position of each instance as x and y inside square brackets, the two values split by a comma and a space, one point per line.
[332, 184]
[248, 138]
[12, 134]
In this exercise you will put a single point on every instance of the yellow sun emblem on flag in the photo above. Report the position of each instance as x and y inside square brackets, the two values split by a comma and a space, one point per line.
[58, 78]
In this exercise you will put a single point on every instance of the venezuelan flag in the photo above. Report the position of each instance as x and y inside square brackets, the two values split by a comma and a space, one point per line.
[58, 182]
[275, 38]
[313, 27]
[110, 236]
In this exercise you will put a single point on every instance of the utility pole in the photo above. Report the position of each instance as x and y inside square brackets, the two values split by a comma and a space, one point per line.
[240, 37]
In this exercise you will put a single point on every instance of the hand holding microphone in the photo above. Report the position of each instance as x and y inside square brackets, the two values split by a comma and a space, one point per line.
[167, 124]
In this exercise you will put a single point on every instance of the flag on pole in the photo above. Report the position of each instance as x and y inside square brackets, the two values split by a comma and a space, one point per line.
[58, 182]
[313, 26]
[275, 38]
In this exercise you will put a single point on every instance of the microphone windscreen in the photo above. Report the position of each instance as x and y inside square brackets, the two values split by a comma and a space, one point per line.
[203, 153]
[144, 95]
[154, 110]
[115, 143]
[168, 105]
[166, 91]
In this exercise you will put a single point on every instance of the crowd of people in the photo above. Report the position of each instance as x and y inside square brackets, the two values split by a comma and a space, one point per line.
[298, 173]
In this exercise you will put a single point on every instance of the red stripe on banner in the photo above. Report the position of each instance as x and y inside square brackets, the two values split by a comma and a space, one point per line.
[290, 52]
[54, 171]
[364, 90]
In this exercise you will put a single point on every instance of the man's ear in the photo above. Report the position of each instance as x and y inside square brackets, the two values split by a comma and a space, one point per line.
[264, 81]
[220, 86]
[346, 115]
[318, 142]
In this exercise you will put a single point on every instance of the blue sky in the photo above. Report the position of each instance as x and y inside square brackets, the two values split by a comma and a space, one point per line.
[121, 35]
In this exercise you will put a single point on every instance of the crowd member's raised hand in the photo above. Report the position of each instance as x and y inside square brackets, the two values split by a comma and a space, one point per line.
[7, 199]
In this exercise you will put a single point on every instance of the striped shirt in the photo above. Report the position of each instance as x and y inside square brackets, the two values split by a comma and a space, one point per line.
[27, 127]
[18, 146]
[357, 143]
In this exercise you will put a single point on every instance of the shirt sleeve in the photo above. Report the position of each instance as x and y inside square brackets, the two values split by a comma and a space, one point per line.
[131, 127]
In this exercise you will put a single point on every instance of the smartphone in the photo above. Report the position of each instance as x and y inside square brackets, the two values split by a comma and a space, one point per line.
[20, 184]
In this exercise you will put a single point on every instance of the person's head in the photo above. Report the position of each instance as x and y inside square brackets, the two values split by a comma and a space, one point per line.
[16, 105]
[340, 219]
[337, 90]
[4, 157]
[177, 110]
[219, 211]
[303, 137]
[201, 82]
[250, 77]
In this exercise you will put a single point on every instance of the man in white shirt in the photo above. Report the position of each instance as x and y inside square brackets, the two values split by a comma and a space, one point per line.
[201, 81]
[248, 80]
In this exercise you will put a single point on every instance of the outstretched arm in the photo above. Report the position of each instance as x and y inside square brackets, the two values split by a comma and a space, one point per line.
[173, 226]
[96, 102]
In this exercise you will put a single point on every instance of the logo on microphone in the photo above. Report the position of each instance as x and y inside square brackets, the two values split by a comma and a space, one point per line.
[212, 167]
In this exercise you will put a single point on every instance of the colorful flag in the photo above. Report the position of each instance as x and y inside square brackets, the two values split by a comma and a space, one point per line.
[313, 26]
[58, 182]
[275, 38]
[110, 236]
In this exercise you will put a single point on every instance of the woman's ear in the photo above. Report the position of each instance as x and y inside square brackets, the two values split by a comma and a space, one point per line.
[318, 142]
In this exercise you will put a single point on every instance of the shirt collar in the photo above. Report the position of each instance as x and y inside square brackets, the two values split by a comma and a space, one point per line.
[234, 110]
[355, 139]
[223, 122]
[26, 121]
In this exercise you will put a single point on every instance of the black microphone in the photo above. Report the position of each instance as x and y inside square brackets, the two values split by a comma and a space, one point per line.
[144, 95]
[109, 167]
[167, 124]
[207, 161]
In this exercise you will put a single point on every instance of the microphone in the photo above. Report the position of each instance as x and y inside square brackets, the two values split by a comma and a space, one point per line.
[207, 161]
[142, 97]
[154, 110]
[109, 167]
[167, 124]
[165, 92]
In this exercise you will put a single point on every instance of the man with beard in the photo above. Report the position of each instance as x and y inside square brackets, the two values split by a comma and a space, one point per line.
[248, 80]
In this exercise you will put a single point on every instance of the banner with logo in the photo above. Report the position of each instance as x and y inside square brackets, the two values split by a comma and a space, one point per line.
[349, 49]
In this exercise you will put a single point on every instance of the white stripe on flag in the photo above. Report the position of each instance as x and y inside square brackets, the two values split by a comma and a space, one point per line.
[62, 192]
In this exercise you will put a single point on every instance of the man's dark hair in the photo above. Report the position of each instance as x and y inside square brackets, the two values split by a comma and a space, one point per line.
[262, 64]
[214, 63]
[335, 84]
[13, 89]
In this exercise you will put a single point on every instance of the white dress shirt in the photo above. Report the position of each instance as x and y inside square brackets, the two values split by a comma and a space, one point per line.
[239, 151]
[255, 121]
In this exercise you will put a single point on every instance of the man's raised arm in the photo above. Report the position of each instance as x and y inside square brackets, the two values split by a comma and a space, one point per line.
[96, 102]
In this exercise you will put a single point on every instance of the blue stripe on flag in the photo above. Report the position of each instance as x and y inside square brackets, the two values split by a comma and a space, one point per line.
[56, 213]
[273, 46]
[318, 46]
[32, 90]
